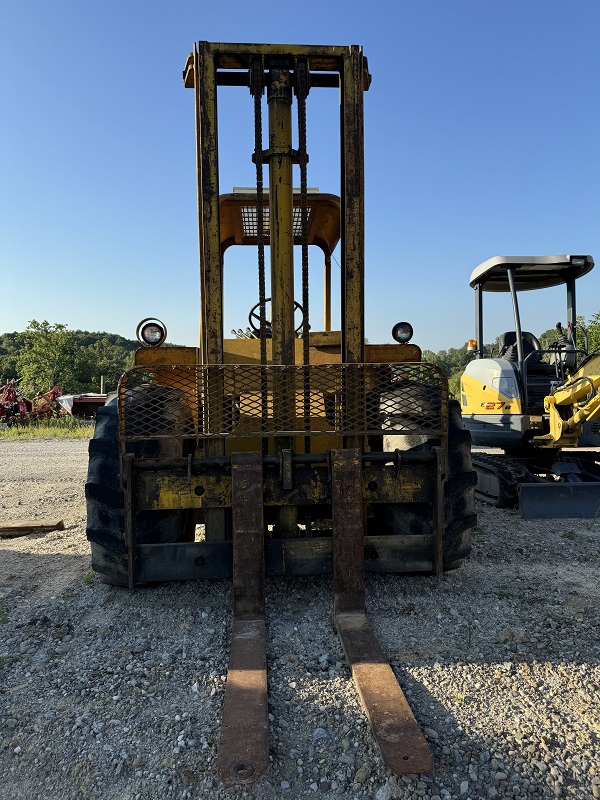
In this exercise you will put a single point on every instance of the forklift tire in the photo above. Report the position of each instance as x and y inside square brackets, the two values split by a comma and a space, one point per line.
[459, 492]
[105, 502]
[459, 497]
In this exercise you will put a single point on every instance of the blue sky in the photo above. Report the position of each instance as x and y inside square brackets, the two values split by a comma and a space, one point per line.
[481, 138]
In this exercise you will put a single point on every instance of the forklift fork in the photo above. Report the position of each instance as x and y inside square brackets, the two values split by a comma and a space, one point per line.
[244, 747]
[394, 727]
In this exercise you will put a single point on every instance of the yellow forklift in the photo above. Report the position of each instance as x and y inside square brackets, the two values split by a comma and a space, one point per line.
[283, 449]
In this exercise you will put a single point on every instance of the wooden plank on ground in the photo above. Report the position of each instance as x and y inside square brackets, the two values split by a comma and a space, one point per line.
[23, 527]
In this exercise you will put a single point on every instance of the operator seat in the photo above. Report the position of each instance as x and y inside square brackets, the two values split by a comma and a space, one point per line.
[508, 347]
[539, 373]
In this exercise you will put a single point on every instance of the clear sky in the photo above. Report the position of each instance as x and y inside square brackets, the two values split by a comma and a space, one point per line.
[482, 138]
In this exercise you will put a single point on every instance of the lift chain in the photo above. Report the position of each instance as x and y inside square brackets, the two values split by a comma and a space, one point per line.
[302, 88]
[257, 89]
[301, 94]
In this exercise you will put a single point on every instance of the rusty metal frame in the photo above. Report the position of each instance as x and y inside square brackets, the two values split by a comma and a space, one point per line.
[211, 272]
[204, 72]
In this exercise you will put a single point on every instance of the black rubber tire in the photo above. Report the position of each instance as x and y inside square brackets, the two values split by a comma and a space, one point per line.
[105, 500]
[459, 492]
[459, 498]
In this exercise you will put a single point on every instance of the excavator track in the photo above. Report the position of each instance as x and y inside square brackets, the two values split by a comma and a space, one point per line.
[498, 479]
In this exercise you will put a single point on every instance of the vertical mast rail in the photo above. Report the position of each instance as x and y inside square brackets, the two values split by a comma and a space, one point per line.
[353, 312]
[211, 277]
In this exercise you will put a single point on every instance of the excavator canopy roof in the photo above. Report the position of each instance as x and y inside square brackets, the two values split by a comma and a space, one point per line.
[530, 272]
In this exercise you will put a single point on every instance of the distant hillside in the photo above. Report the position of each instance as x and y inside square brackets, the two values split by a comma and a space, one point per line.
[45, 355]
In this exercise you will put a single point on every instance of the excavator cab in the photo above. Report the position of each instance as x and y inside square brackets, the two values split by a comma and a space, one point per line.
[287, 448]
[533, 402]
[502, 398]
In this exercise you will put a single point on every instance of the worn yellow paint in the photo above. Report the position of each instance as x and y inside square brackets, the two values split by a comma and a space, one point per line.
[166, 356]
[160, 491]
[174, 490]
[325, 348]
[392, 353]
[247, 351]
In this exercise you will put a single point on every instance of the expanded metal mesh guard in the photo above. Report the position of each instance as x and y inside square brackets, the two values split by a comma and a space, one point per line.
[250, 221]
[239, 400]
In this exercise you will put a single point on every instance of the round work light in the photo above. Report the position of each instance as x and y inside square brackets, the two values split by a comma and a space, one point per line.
[151, 332]
[402, 332]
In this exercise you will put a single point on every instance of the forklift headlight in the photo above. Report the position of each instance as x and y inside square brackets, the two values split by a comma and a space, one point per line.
[402, 332]
[151, 332]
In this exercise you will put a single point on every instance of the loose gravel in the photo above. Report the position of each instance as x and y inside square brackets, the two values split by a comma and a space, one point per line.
[115, 694]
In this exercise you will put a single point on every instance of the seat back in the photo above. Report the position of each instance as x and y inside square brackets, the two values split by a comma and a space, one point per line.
[508, 346]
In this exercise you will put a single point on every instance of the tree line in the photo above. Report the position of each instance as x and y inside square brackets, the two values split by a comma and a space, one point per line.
[46, 355]
[454, 360]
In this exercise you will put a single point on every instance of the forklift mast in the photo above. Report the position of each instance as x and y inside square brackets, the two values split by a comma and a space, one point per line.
[280, 71]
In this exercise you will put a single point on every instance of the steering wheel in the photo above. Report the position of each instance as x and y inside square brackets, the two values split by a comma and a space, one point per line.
[254, 319]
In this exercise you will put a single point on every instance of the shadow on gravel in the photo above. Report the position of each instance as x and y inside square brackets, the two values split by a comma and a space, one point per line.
[499, 662]
[29, 575]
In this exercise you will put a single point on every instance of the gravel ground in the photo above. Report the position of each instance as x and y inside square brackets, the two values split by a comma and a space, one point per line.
[114, 694]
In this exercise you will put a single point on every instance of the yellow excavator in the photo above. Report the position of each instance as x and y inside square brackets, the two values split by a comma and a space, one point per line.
[283, 449]
[537, 404]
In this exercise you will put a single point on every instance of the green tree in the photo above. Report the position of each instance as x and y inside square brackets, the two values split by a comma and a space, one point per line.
[10, 344]
[51, 357]
[450, 361]
[590, 327]
[47, 354]
[454, 384]
[593, 331]
[108, 360]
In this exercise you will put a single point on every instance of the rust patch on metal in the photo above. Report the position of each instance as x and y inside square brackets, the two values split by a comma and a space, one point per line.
[244, 746]
[394, 727]
[348, 531]
[393, 724]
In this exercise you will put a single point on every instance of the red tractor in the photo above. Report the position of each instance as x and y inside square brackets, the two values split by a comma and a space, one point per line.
[46, 406]
[14, 409]
[18, 410]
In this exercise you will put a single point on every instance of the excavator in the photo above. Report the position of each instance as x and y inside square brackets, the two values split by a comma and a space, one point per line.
[283, 449]
[536, 404]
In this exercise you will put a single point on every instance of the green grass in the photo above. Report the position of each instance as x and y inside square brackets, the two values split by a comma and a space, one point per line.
[8, 661]
[89, 578]
[469, 635]
[66, 427]
[3, 617]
